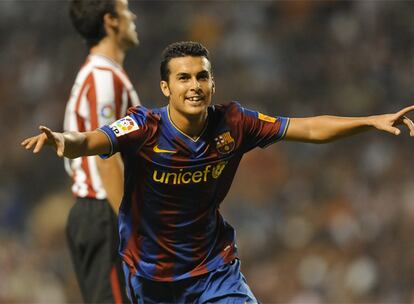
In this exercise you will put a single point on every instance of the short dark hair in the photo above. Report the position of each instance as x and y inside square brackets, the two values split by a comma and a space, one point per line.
[181, 49]
[87, 18]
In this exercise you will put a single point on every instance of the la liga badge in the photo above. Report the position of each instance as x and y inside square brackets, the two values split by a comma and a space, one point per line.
[124, 126]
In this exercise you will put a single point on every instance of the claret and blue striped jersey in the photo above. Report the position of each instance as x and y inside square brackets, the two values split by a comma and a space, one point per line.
[170, 224]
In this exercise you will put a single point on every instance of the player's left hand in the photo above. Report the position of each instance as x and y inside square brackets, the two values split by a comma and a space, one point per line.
[388, 122]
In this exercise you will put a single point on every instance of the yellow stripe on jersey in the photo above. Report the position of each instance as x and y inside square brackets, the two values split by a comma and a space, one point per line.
[267, 118]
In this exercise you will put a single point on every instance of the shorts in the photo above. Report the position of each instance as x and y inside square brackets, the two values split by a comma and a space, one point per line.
[92, 233]
[225, 284]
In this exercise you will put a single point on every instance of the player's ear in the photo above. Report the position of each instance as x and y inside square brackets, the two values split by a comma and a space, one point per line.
[213, 86]
[110, 22]
[165, 88]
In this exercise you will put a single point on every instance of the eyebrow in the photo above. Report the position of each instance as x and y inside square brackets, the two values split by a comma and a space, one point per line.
[182, 74]
[201, 73]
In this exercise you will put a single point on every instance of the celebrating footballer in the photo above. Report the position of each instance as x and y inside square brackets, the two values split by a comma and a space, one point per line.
[180, 161]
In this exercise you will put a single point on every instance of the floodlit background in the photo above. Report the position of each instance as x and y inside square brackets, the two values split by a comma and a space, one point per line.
[316, 223]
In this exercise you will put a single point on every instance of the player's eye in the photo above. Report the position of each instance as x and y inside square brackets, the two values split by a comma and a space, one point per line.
[203, 76]
[182, 77]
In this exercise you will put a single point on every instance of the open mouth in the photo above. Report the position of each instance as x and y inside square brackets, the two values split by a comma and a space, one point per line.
[195, 100]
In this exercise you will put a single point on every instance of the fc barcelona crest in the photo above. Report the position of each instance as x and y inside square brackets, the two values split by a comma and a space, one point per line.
[224, 143]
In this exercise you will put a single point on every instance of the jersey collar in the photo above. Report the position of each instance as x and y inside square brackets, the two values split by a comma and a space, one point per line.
[193, 139]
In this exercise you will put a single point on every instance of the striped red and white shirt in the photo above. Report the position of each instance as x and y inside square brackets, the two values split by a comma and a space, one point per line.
[102, 93]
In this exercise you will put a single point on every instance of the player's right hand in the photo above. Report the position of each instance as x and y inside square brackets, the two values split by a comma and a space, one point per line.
[47, 137]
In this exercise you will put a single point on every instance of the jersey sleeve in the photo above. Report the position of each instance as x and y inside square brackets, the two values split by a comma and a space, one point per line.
[128, 134]
[260, 130]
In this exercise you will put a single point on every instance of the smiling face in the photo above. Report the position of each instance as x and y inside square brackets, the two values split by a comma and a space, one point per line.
[189, 88]
[126, 30]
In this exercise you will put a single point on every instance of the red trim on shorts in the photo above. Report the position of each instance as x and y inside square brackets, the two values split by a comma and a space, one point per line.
[116, 288]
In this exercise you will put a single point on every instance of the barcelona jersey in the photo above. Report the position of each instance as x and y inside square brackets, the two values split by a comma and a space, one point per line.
[169, 220]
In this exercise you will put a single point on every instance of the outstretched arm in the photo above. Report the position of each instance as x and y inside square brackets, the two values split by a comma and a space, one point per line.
[321, 129]
[69, 144]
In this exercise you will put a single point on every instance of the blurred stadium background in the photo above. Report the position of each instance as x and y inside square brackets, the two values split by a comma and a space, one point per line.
[316, 223]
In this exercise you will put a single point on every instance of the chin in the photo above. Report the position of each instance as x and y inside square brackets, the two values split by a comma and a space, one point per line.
[132, 41]
[135, 42]
[196, 111]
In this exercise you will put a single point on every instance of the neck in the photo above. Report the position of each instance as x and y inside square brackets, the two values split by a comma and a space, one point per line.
[190, 125]
[110, 49]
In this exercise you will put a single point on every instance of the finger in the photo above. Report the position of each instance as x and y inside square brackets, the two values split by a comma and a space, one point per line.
[405, 111]
[25, 141]
[59, 149]
[39, 144]
[44, 129]
[47, 131]
[30, 142]
[392, 130]
[408, 122]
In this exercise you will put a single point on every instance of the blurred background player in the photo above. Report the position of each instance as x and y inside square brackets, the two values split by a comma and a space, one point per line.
[101, 94]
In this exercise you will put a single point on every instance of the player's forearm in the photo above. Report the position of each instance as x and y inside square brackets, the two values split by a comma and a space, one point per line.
[321, 129]
[329, 128]
[86, 144]
[78, 144]
[75, 144]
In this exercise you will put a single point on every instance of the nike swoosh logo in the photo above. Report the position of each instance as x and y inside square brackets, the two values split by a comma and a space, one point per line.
[158, 150]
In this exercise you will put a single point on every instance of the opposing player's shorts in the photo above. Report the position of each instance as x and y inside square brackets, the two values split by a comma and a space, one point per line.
[226, 284]
[92, 234]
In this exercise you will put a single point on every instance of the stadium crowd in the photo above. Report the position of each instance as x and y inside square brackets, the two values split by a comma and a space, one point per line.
[317, 224]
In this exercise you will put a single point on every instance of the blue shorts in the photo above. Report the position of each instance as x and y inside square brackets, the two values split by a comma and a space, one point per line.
[226, 284]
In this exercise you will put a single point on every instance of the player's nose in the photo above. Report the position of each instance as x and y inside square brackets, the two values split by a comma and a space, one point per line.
[195, 84]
